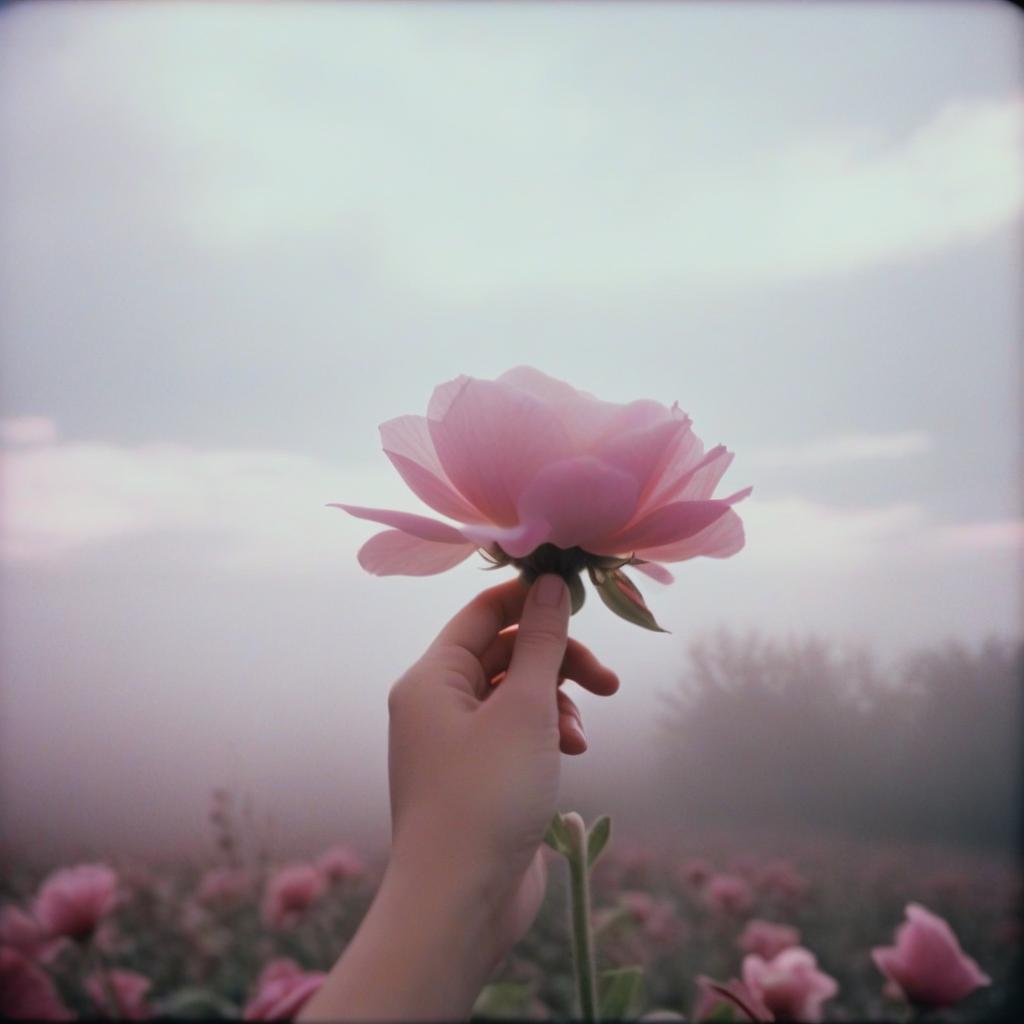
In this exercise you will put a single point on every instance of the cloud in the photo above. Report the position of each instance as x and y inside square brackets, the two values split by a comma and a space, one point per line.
[827, 451]
[27, 430]
[262, 509]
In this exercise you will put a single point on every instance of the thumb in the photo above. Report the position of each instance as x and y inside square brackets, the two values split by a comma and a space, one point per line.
[540, 640]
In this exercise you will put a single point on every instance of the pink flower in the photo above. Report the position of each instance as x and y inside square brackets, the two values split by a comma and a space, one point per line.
[782, 879]
[73, 901]
[527, 462]
[733, 995]
[282, 989]
[729, 894]
[23, 933]
[927, 964]
[767, 939]
[290, 892]
[224, 887]
[129, 992]
[340, 863]
[790, 984]
[26, 991]
[656, 917]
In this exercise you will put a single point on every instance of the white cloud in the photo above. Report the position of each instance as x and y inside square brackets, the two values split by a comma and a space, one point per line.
[263, 509]
[842, 448]
[27, 430]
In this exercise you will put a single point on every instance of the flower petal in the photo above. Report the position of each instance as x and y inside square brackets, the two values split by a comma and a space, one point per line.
[516, 541]
[642, 451]
[584, 499]
[668, 524]
[394, 553]
[655, 571]
[492, 442]
[724, 537]
[407, 443]
[417, 526]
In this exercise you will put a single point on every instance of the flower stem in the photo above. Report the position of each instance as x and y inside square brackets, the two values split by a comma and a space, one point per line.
[579, 904]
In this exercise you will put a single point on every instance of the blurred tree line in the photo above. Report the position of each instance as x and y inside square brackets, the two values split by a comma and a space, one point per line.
[794, 733]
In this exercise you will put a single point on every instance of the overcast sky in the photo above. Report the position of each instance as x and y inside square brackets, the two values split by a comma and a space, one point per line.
[235, 238]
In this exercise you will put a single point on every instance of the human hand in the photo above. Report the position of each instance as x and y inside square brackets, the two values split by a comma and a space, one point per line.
[474, 771]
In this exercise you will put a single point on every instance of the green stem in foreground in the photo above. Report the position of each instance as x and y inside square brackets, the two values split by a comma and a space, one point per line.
[569, 836]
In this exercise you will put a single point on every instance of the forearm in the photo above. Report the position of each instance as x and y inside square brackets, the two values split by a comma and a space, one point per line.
[423, 952]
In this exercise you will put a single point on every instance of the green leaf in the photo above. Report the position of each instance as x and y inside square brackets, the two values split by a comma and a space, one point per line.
[503, 1000]
[557, 836]
[620, 993]
[621, 595]
[196, 1004]
[597, 838]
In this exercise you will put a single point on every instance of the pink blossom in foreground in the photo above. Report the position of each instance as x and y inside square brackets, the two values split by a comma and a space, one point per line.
[729, 894]
[26, 991]
[790, 984]
[734, 995]
[282, 989]
[129, 992]
[73, 901]
[340, 864]
[927, 964]
[22, 932]
[527, 460]
[767, 939]
[290, 892]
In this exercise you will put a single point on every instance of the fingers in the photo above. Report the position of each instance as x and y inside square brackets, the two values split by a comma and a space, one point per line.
[540, 645]
[579, 664]
[571, 737]
[474, 627]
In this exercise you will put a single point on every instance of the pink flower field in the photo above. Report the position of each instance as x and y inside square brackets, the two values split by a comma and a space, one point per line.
[806, 928]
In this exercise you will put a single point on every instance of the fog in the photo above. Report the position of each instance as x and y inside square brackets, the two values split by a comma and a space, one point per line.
[235, 239]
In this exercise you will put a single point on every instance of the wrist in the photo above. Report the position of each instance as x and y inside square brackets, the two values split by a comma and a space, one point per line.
[428, 944]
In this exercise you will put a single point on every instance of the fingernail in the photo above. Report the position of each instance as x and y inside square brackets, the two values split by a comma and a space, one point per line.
[550, 590]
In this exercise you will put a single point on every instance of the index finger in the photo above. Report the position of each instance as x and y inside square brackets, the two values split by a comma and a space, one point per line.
[475, 626]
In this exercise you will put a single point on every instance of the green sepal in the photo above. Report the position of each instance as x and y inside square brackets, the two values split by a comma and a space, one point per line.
[503, 1000]
[597, 838]
[557, 836]
[620, 993]
[621, 595]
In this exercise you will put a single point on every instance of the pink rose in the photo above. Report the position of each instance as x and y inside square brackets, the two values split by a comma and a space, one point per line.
[729, 894]
[22, 932]
[551, 479]
[290, 892]
[767, 939]
[73, 901]
[282, 989]
[340, 863]
[790, 984]
[26, 991]
[130, 991]
[927, 964]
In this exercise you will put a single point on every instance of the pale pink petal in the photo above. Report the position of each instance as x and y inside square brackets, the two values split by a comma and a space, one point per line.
[407, 443]
[393, 553]
[493, 441]
[680, 461]
[417, 526]
[656, 572]
[516, 541]
[584, 500]
[444, 395]
[724, 537]
[642, 450]
[584, 417]
[668, 524]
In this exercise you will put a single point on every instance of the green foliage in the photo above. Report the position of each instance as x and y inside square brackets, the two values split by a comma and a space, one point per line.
[597, 838]
[620, 993]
